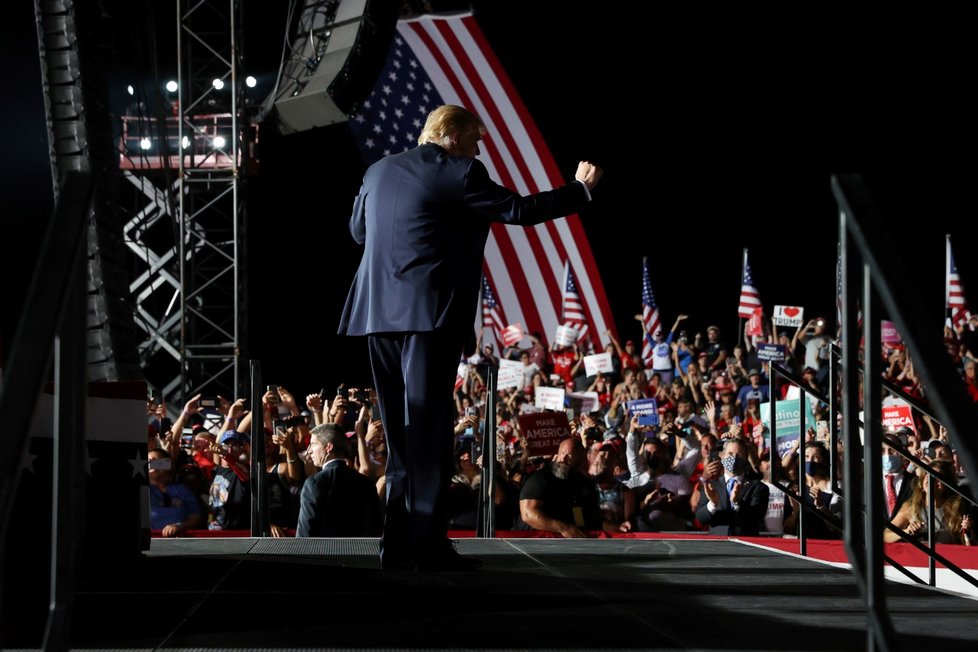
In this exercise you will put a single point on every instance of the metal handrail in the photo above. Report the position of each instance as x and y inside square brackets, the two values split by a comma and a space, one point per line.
[929, 550]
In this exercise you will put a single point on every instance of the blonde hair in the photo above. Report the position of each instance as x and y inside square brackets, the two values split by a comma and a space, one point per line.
[449, 125]
[952, 509]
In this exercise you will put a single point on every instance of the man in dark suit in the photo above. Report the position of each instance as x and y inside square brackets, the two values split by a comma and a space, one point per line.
[338, 501]
[423, 217]
[897, 481]
[736, 503]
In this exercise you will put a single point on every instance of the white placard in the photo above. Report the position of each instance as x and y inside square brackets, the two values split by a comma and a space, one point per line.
[584, 402]
[566, 336]
[788, 315]
[599, 363]
[549, 398]
[510, 374]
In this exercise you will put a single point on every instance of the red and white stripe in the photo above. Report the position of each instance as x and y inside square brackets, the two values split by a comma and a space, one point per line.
[954, 300]
[524, 265]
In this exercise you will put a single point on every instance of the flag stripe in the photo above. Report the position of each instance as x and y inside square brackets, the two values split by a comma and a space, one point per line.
[501, 140]
[515, 250]
[954, 299]
[650, 317]
[750, 298]
[509, 125]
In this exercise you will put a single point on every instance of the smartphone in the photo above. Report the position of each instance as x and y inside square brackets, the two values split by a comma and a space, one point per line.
[822, 430]
[274, 390]
[208, 402]
[471, 412]
[714, 455]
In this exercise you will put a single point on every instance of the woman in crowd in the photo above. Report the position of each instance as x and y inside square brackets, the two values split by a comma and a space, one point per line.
[819, 492]
[951, 517]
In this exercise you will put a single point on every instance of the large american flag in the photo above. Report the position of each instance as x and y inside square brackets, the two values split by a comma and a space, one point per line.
[956, 306]
[750, 298]
[491, 317]
[574, 315]
[650, 316]
[438, 60]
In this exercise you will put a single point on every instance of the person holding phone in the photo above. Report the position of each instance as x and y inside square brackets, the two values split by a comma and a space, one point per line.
[423, 216]
[173, 508]
[736, 502]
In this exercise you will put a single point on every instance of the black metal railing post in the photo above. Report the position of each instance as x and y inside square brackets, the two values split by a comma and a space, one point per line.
[259, 483]
[486, 526]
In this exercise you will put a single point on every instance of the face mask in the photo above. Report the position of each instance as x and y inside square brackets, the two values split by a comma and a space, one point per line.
[892, 464]
[815, 468]
[734, 465]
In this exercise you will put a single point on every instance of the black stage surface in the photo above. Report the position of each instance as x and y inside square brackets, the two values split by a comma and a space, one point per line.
[615, 594]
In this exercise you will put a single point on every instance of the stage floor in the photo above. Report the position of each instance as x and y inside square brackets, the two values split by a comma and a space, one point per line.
[615, 594]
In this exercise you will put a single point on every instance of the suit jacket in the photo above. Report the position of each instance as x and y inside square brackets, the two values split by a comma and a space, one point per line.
[339, 502]
[423, 217]
[747, 520]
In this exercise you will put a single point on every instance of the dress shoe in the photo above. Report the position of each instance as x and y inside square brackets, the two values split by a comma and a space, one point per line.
[444, 557]
[396, 562]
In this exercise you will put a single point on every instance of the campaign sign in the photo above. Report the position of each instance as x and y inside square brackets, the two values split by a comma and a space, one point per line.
[889, 333]
[544, 431]
[787, 421]
[566, 335]
[512, 334]
[770, 352]
[788, 315]
[896, 417]
[647, 411]
[599, 363]
[583, 402]
[549, 398]
[510, 374]
[755, 325]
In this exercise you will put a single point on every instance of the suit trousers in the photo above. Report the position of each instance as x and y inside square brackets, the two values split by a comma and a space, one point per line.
[414, 378]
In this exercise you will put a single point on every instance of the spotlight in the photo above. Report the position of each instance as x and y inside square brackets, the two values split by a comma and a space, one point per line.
[185, 142]
[130, 89]
[171, 86]
[144, 143]
[218, 84]
[250, 82]
[219, 141]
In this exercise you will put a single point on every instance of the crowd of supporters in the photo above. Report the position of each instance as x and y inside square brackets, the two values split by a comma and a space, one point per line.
[706, 466]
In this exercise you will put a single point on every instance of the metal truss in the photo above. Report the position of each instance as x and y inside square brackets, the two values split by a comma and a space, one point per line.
[188, 237]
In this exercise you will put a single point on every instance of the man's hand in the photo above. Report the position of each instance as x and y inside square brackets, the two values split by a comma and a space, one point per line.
[588, 173]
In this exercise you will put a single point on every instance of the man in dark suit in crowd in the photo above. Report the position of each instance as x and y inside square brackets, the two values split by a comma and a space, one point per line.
[423, 217]
[897, 480]
[735, 503]
[338, 501]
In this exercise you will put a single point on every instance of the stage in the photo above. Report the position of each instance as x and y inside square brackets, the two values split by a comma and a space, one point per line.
[663, 593]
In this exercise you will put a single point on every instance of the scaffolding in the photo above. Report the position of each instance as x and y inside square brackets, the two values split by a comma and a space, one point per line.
[188, 238]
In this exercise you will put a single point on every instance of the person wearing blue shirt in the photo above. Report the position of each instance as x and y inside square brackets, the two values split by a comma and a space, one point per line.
[173, 508]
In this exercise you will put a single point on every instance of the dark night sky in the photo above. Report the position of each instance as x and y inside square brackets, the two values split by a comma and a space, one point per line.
[717, 130]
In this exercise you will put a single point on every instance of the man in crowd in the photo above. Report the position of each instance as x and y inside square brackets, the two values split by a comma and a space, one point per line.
[424, 216]
[559, 498]
[737, 502]
[337, 501]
